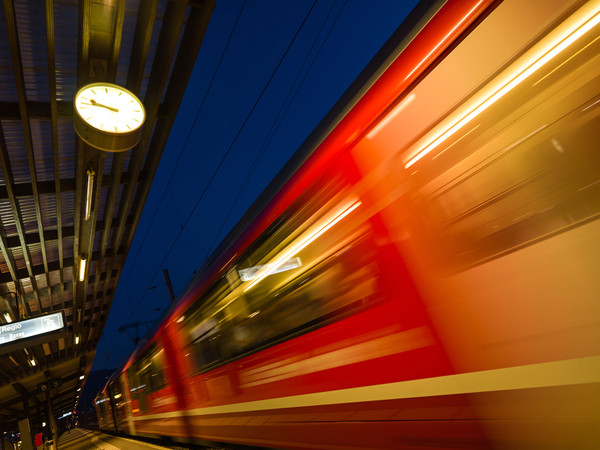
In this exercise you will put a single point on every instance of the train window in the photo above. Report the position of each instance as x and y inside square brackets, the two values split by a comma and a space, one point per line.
[315, 264]
[328, 290]
[146, 376]
[524, 168]
[207, 330]
[101, 404]
[116, 391]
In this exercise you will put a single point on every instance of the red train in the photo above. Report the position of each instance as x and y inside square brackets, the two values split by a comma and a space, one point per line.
[427, 277]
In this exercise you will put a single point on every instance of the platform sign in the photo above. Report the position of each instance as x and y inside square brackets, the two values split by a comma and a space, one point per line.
[16, 331]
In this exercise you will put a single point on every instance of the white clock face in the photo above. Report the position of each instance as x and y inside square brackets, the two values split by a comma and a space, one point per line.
[110, 108]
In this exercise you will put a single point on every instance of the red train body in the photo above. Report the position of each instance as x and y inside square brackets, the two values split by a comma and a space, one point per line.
[427, 278]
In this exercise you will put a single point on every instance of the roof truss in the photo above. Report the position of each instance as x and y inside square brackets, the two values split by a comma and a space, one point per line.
[149, 49]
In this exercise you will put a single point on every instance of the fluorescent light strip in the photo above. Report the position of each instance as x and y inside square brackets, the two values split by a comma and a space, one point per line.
[89, 192]
[300, 245]
[82, 265]
[555, 49]
[565, 62]
[250, 273]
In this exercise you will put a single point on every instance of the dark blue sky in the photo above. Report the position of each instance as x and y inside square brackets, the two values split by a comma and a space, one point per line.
[338, 38]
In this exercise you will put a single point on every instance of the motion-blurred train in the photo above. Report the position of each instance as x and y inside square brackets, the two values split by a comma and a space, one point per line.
[424, 274]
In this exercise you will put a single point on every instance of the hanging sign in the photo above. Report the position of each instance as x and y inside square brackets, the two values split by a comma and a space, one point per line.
[24, 329]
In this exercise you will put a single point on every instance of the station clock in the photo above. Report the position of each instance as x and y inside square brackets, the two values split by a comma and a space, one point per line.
[108, 117]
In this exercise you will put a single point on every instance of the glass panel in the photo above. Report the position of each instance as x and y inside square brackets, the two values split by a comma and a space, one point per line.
[116, 391]
[146, 376]
[315, 264]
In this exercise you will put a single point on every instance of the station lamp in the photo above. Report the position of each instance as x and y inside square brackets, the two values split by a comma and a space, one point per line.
[89, 193]
[82, 267]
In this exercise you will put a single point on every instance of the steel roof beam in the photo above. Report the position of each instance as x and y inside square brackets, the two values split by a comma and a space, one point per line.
[43, 110]
[182, 70]
[15, 51]
[141, 43]
[55, 156]
[103, 59]
[6, 252]
[167, 43]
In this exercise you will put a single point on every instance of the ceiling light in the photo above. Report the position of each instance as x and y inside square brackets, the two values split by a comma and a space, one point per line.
[82, 377]
[76, 339]
[32, 362]
[82, 266]
[89, 193]
[249, 273]
[7, 318]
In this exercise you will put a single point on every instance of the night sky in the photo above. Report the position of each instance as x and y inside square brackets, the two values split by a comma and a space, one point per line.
[267, 73]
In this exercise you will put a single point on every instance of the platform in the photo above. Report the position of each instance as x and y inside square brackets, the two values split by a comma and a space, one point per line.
[82, 439]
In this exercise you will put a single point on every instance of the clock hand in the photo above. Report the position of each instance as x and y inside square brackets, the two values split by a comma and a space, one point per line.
[95, 103]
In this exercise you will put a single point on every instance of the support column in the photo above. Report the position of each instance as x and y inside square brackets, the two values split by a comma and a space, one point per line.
[25, 427]
[52, 421]
[2, 430]
[25, 431]
[39, 420]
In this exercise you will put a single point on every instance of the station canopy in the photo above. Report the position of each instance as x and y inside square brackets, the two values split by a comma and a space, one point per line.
[51, 221]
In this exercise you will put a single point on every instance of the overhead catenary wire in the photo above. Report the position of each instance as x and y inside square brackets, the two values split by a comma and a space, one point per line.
[219, 165]
[187, 138]
[181, 152]
[278, 119]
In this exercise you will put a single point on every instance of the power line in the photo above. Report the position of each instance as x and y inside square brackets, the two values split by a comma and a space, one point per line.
[226, 153]
[181, 152]
[185, 144]
[279, 118]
